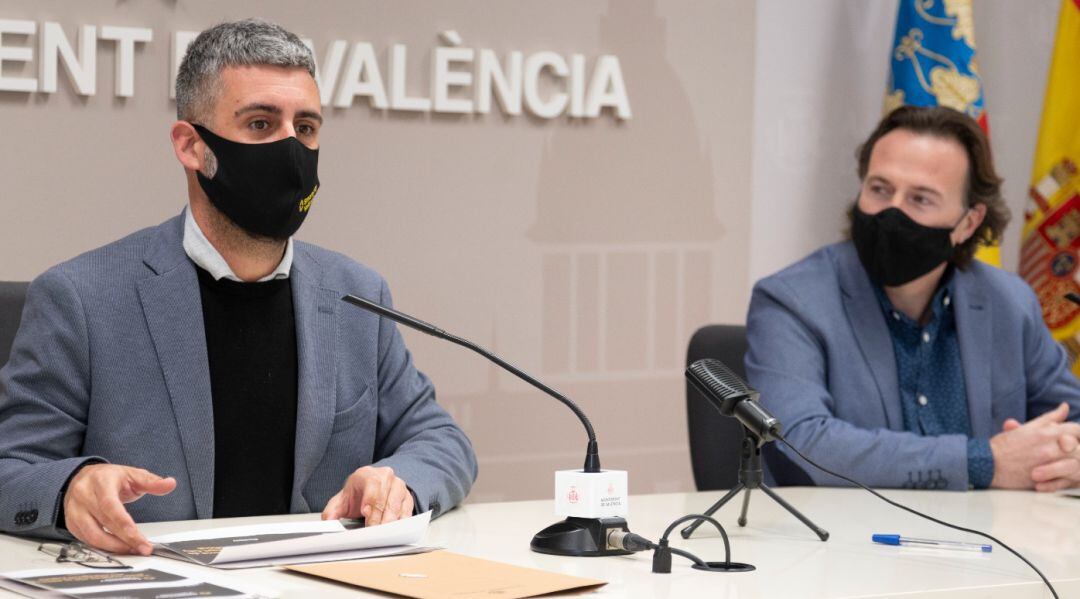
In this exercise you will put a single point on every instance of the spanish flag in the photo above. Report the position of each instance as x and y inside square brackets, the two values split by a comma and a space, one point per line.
[933, 63]
[1051, 237]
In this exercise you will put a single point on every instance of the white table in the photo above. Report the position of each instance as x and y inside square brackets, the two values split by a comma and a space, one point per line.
[790, 560]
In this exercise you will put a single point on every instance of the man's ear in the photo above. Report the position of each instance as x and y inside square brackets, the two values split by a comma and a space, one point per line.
[187, 144]
[970, 223]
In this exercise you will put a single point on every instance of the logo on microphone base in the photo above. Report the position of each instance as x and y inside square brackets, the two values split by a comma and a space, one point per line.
[572, 495]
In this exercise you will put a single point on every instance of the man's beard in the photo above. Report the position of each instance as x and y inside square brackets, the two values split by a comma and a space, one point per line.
[236, 237]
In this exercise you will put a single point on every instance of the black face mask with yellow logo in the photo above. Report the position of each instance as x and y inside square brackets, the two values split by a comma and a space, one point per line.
[267, 188]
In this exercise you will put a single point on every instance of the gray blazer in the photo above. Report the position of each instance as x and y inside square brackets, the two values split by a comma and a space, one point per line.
[110, 363]
[821, 356]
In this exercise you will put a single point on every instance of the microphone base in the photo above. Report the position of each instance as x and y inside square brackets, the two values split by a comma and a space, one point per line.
[579, 537]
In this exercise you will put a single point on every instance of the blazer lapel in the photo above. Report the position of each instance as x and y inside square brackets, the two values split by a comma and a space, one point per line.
[974, 314]
[870, 330]
[173, 310]
[316, 399]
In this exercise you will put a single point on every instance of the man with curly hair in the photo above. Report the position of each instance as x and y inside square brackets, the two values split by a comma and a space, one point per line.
[896, 358]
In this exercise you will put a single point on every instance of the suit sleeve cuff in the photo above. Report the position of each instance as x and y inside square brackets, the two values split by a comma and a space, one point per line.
[980, 463]
[61, 521]
[415, 502]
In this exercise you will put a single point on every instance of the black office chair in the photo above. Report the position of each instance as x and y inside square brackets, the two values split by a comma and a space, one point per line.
[12, 298]
[715, 440]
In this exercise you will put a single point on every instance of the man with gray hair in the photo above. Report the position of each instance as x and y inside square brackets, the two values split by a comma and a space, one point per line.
[206, 367]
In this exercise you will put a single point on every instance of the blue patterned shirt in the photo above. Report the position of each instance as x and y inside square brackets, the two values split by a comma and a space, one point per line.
[931, 376]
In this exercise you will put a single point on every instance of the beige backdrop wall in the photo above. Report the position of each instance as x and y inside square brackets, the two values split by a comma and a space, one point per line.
[585, 251]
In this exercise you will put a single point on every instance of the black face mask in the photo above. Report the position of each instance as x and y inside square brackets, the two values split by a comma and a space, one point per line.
[266, 189]
[894, 249]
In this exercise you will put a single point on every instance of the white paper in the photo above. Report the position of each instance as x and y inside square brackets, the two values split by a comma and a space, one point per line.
[232, 532]
[333, 539]
[189, 577]
[399, 532]
[336, 556]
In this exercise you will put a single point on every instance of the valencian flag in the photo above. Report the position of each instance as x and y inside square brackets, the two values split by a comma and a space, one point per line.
[1051, 235]
[934, 64]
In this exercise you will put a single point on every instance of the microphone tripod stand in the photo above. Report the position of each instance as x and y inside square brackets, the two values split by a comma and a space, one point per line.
[752, 477]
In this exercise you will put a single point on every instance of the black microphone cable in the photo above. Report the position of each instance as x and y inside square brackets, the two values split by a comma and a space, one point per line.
[663, 551]
[781, 438]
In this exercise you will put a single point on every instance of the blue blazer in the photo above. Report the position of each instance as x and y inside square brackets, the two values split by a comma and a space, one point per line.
[821, 356]
[110, 363]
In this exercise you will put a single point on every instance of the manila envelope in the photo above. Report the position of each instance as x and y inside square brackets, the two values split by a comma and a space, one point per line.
[440, 574]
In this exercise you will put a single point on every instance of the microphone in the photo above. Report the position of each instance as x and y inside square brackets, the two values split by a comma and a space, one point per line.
[592, 456]
[732, 397]
[595, 499]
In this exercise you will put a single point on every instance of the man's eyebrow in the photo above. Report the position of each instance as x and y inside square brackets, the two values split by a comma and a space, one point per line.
[270, 108]
[310, 114]
[919, 188]
[926, 189]
[258, 107]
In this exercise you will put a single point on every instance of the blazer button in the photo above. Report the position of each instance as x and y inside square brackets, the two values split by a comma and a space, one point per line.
[31, 516]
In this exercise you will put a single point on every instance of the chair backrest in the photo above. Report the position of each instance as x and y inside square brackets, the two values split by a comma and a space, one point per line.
[12, 298]
[715, 440]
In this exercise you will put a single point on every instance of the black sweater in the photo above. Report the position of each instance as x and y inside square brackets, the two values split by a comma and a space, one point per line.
[251, 346]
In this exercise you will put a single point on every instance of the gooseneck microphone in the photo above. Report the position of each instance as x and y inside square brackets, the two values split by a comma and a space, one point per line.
[592, 455]
[732, 397]
[593, 500]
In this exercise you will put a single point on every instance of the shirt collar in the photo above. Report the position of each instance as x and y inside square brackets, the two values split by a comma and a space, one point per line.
[941, 302]
[205, 255]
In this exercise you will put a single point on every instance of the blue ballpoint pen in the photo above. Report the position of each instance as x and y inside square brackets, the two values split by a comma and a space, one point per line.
[930, 543]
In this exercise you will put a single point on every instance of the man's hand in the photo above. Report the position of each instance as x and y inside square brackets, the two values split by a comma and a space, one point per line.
[1058, 474]
[1039, 454]
[374, 493]
[94, 506]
